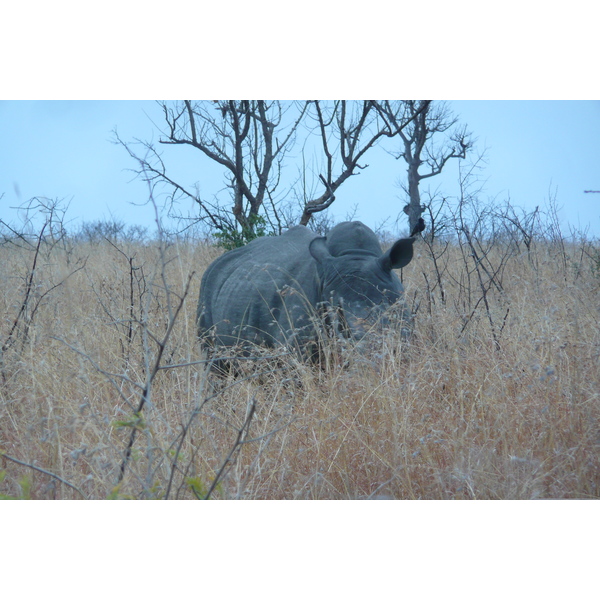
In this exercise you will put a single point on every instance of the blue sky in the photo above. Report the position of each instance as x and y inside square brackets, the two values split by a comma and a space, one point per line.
[464, 50]
[63, 149]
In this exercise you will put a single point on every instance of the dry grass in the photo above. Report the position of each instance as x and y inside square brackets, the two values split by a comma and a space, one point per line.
[482, 403]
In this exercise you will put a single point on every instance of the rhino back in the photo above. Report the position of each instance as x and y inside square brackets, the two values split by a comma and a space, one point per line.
[261, 293]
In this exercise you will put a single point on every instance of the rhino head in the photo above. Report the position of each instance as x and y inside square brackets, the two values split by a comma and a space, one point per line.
[358, 285]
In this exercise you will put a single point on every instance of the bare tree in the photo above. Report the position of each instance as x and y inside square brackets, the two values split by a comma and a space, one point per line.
[421, 146]
[251, 140]
[248, 138]
[347, 130]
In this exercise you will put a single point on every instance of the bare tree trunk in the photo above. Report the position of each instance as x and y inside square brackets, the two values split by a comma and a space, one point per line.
[426, 120]
[414, 209]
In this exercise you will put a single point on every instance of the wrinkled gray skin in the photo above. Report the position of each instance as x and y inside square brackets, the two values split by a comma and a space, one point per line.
[274, 290]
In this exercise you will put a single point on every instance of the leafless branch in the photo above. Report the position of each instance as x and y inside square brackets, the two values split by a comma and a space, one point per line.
[228, 462]
[146, 391]
[356, 129]
[40, 470]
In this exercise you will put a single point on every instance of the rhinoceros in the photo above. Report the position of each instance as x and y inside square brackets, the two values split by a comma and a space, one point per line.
[282, 290]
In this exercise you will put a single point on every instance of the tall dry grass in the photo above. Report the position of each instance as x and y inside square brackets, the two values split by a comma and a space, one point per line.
[103, 395]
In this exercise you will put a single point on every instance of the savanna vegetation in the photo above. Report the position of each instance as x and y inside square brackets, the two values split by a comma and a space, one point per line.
[105, 393]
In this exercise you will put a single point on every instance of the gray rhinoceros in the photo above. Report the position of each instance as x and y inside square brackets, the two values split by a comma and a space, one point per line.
[282, 290]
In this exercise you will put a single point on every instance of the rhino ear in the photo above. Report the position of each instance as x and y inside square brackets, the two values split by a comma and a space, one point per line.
[398, 256]
[319, 250]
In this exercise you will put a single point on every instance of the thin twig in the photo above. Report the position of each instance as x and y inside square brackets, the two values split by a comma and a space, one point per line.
[145, 394]
[39, 469]
[238, 443]
[196, 412]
